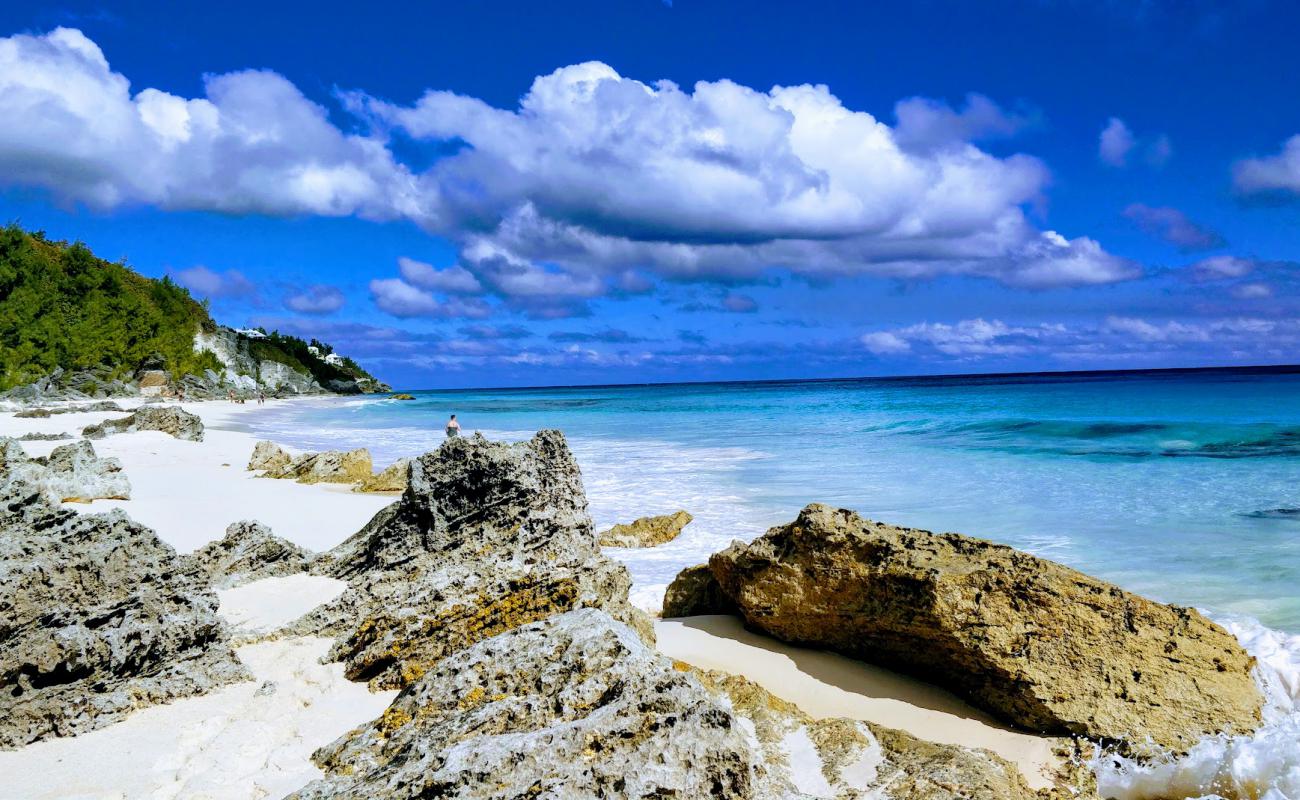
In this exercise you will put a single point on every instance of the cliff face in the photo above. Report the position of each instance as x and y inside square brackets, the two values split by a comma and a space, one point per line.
[279, 365]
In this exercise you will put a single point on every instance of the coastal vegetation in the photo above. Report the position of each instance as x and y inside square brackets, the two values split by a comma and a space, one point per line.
[62, 307]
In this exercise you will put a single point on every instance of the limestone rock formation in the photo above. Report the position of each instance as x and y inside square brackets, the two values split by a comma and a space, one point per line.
[402, 396]
[97, 618]
[152, 382]
[331, 466]
[171, 420]
[573, 706]
[1036, 643]
[248, 552]
[694, 592]
[840, 757]
[487, 536]
[70, 473]
[391, 479]
[268, 456]
[41, 412]
[44, 437]
[646, 531]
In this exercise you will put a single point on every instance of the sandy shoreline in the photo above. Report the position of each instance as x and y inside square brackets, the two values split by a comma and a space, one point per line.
[255, 739]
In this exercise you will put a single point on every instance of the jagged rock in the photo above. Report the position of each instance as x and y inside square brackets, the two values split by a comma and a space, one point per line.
[694, 592]
[402, 396]
[646, 531]
[44, 437]
[331, 466]
[268, 456]
[172, 420]
[1038, 644]
[861, 759]
[574, 706]
[279, 377]
[71, 473]
[34, 413]
[248, 552]
[487, 536]
[43, 413]
[97, 618]
[391, 479]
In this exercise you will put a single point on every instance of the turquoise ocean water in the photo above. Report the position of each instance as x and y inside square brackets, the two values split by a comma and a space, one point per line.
[1182, 486]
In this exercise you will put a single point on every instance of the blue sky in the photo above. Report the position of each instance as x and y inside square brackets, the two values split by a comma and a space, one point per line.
[495, 194]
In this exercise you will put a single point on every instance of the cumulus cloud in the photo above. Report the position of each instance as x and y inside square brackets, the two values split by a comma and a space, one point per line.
[252, 144]
[1221, 267]
[592, 186]
[319, 299]
[401, 299]
[1174, 227]
[885, 343]
[213, 284]
[1117, 143]
[925, 124]
[1275, 175]
[452, 280]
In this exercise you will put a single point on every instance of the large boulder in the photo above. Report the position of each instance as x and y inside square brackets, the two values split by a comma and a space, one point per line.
[98, 617]
[331, 466]
[269, 456]
[694, 592]
[70, 473]
[248, 552]
[1036, 643]
[646, 531]
[171, 420]
[486, 537]
[391, 479]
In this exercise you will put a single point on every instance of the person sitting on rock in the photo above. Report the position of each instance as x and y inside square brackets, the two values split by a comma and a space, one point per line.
[453, 427]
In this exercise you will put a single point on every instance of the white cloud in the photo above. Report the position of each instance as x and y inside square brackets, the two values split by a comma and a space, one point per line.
[211, 283]
[1115, 142]
[1276, 174]
[1222, 267]
[318, 299]
[253, 144]
[884, 343]
[593, 180]
[1252, 291]
[452, 280]
[399, 298]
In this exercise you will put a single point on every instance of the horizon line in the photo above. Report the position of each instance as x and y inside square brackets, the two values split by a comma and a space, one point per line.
[1279, 369]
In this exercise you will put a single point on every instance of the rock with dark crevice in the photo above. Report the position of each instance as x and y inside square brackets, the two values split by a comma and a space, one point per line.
[98, 618]
[249, 551]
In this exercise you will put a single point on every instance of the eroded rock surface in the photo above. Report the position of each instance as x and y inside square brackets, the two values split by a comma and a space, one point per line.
[331, 466]
[694, 592]
[391, 479]
[248, 552]
[646, 531]
[171, 420]
[487, 536]
[268, 456]
[1034, 642]
[574, 706]
[70, 473]
[98, 617]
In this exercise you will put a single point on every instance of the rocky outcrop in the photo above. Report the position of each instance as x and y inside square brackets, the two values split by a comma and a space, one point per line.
[284, 379]
[646, 531]
[171, 420]
[45, 413]
[1040, 645]
[70, 473]
[153, 382]
[97, 618]
[248, 552]
[331, 466]
[402, 396]
[573, 706]
[85, 384]
[44, 437]
[488, 536]
[268, 456]
[695, 592]
[391, 479]
[840, 757]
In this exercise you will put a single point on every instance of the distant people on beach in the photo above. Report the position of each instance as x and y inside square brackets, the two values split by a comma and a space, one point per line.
[261, 397]
[453, 427]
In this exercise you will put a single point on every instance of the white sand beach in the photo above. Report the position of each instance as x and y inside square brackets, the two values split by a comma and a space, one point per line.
[255, 739]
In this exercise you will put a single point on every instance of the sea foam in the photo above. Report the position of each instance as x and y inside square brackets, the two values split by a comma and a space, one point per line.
[1264, 765]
